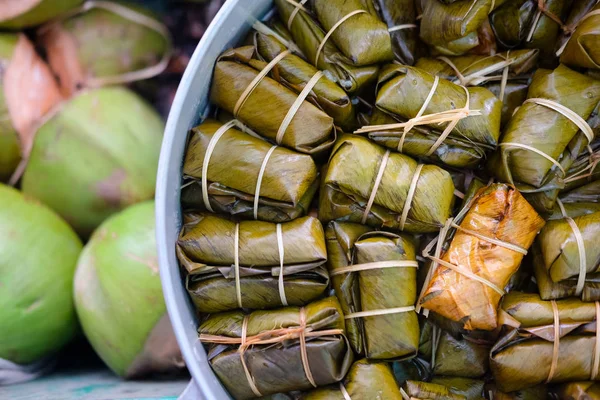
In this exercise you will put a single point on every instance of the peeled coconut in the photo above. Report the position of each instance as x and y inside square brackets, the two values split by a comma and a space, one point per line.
[28, 91]
[95, 156]
[106, 43]
[119, 298]
[18, 14]
[38, 256]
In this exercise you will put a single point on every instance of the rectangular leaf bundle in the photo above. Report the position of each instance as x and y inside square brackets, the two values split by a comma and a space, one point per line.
[365, 380]
[374, 277]
[246, 176]
[472, 389]
[583, 48]
[401, 19]
[295, 73]
[505, 74]
[309, 36]
[470, 114]
[252, 264]
[467, 280]
[364, 183]
[428, 391]
[550, 290]
[545, 342]
[265, 105]
[544, 136]
[268, 352]
[458, 27]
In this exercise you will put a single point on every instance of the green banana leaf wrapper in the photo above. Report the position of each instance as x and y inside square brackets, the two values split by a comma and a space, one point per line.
[402, 90]
[560, 251]
[294, 72]
[363, 38]
[383, 337]
[472, 389]
[486, 71]
[351, 174]
[429, 391]
[206, 249]
[365, 380]
[458, 27]
[461, 356]
[455, 151]
[522, 357]
[311, 130]
[289, 182]
[405, 41]
[550, 290]
[586, 167]
[277, 367]
[548, 131]
[587, 390]
[579, 201]
[520, 23]
[500, 212]
[539, 392]
[583, 48]
[308, 35]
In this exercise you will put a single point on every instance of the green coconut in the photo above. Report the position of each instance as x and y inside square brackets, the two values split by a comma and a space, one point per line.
[108, 43]
[19, 14]
[38, 256]
[97, 155]
[119, 298]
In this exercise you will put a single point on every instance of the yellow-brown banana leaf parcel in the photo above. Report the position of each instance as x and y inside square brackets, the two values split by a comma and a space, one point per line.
[366, 380]
[289, 180]
[363, 38]
[264, 106]
[274, 341]
[383, 288]
[544, 341]
[294, 73]
[561, 251]
[309, 35]
[207, 250]
[499, 214]
[350, 182]
[539, 143]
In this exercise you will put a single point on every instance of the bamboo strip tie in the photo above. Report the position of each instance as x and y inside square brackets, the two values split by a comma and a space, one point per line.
[332, 30]
[297, 7]
[281, 257]
[259, 180]
[594, 160]
[378, 178]
[556, 342]
[411, 194]
[541, 9]
[344, 392]
[402, 27]
[580, 248]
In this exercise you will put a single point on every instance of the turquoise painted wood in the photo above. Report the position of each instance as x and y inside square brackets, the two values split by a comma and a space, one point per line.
[92, 384]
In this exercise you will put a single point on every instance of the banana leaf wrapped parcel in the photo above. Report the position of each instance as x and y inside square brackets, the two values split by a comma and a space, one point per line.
[587, 390]
[458, 27]
[546, 134]
[545, 342]
[583, 47]
[267, 106]
[466, 282]
[539, 392]
[428, 391]
[268, 352]
[570, 247]
[252, 264]
[505, 74]
[472, 389]
[550, 290]
[309, 36]
[366, 184]
[469, 114]
[374, 277]
[233, 172]
[401, 19]
[365, 380]
[451, 356]
[356, 30]
[295, 73]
